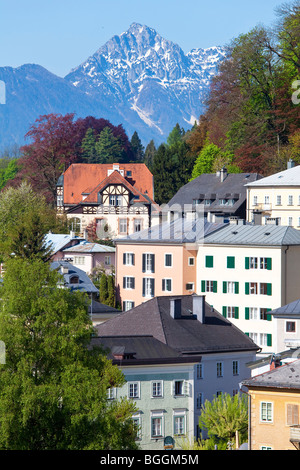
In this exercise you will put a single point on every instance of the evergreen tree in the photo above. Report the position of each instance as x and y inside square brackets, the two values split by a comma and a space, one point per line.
[108, 147]
[163, 174]
[150, 153]
[88, 147]
[175, 135]
[137, 147]
[103, 289]
[111, 297]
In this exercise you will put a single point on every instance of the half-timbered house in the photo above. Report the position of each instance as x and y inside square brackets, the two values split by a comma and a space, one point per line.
[117, 198]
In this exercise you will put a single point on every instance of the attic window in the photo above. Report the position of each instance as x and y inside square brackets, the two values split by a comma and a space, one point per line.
[128, 173]
[74, 280]
[267, 233]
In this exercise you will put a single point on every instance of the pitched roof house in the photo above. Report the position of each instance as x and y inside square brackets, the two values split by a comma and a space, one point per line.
[116, 195]
[274, 404]
[191, 328]
[222, 195]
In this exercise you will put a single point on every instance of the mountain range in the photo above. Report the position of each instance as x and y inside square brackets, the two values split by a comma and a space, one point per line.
[137, 79]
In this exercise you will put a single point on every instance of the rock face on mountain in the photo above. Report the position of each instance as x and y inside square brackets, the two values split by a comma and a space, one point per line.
[137, 79]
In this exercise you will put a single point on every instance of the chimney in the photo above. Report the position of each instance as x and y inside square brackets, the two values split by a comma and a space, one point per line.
[175, 308]
[199, 307]
[275, 361]
[223, 174]
[290, 164]
[257, 218]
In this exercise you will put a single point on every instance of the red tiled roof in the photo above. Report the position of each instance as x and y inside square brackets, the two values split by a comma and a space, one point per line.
[83, 177]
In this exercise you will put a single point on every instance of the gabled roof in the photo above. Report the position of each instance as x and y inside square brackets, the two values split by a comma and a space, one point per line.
[80, 177]
[283, 377]
[179, 231]
[289, 177]
[88, 247]
[290, 310]
[186, 335]
[113, 178]
[247, 234]
[210, 186]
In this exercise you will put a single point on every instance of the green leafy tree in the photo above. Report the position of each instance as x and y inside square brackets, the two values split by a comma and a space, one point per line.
[53, 386]
[225, 416]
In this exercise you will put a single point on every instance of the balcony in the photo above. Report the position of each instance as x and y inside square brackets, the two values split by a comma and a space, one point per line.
[295, 436]
[262, 207]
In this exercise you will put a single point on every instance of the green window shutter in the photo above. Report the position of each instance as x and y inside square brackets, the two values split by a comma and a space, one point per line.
[215, 286]
[269, 340]
[247, 263]
[236, 313]
[202, 286]
[230, 262]
[269, 317]
[225, 312]
[247, 316]
[247, 290]
[269, 264]
[247, 334]
[224, 287]
[269, 289]
[209, 261]
[236, 287]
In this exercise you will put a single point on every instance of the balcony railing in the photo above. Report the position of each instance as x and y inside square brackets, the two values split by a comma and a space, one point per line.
[262, 207]
[295, 436]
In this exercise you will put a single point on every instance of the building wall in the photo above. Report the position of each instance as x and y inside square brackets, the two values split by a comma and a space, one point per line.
[271, 208]
[166, 406]
[222, 300]
[88, 261]
[276, 433]
[284, 338]
[180, 272]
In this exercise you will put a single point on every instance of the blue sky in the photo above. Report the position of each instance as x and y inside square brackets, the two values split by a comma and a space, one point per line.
[61, 34]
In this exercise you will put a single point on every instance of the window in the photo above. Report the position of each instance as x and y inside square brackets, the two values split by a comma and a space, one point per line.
[74, 280]
[128, 282]
[111, 393]
[107, 260]
[156, 426]
[190, 286]
[180, 388]
[209, 261]
[253, 263]
[179, 425]
[79, 260]
[264, 314]
[123, 225]
[267, 199]
[290, 327]
[290, 200]
[261, 263]
[209, 286]
[292, 415]
[199, 401]
[196, 202]
[157, 389]
[191, 261]
[290, 221]
[219, 369]
[230, 262]
[265, 288]
[230, 287]
[148, 287]
[255, 200]
[128, 259]
[168, 260]
[133, 390]
[60, 200]
[167, 285]
[266, 412]
[278, 200]
[265, 263]
[235, 367]
[137, 421]
[253, 288]
[128, 305]
[231, 312]
[253, 313]
[148, 263]
[137, 225]
[199, 371]
[115, 200]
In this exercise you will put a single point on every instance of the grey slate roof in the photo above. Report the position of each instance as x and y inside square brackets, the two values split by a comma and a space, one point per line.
[209, 186]
[289, 310]
[57, 241]
[186, 335]
[87, 247]
[289, 177]
[180, 230]
[264, 235]
[139, 350]
[283, 377]
[85, 284]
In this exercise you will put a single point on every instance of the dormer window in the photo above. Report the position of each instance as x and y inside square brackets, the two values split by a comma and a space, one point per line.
[115, 200]
[74, 280]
